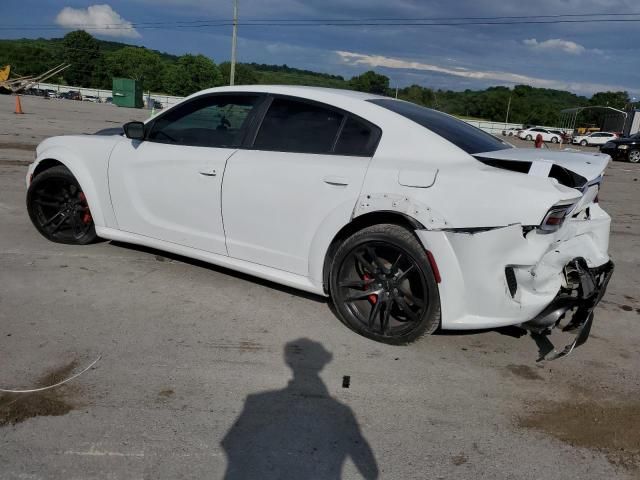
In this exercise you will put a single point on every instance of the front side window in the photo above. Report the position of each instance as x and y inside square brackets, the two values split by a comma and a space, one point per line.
[466, 137]
[294, 126]
[209, 121]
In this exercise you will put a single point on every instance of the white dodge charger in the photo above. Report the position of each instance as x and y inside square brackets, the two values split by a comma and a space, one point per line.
[408, 218]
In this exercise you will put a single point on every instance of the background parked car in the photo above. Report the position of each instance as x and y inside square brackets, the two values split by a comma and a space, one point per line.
[627, 148]
[91, 98]
[547, 135]
[510, 132]
[595, 138]
[71, 95]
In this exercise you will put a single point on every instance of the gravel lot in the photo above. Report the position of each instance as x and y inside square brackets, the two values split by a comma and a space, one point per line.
[187, 349]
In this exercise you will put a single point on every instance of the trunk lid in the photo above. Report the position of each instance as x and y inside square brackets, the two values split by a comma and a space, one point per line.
[571, 168]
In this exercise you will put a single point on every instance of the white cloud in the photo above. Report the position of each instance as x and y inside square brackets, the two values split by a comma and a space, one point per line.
[101, 19]
[566, 46]
[500, 77]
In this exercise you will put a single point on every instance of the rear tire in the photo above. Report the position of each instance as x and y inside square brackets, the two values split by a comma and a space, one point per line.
[383, 287]
[554, 139]
[58, 208]
[634, 156]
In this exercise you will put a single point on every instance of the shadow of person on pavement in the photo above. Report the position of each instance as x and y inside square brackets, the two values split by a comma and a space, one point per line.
[299, 432]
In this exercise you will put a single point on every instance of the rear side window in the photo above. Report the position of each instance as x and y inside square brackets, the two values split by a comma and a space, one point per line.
[469, 138]
[294, 126]
[357, 138]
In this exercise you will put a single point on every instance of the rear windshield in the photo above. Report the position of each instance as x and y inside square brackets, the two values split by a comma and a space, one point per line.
[467, 137]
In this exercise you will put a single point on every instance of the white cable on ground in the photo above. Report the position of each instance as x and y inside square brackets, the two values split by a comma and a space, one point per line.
[54, 385]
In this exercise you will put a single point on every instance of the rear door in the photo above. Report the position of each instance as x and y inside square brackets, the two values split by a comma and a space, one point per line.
[168, 187]
[307, 162]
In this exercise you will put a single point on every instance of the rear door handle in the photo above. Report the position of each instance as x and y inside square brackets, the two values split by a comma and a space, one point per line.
[333, 180]
[210, 173]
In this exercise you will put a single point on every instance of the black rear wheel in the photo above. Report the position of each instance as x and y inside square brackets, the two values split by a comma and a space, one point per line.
[383, 287]
[58, 208]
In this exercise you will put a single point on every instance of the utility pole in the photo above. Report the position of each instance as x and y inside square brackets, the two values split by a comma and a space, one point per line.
[508, 108]
[234, 40]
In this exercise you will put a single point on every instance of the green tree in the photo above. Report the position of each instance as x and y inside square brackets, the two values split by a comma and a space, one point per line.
[245, 75]
[417, 94]
[190, 74]
[370, 82]
[82, 51]
[610, 99]
[137, 63]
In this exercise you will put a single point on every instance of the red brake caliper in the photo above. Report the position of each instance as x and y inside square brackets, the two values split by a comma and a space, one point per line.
[373, 298]
[86, 218]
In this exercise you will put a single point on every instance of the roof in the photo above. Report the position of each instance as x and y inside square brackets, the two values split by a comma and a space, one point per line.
[296, 90]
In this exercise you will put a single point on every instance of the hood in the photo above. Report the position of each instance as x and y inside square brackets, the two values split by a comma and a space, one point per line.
[82, 141]
[570, 167]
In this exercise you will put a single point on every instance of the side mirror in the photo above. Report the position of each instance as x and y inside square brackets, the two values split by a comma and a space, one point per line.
[134, 130]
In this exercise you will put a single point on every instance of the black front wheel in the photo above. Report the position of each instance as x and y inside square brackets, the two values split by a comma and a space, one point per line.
[58, 208]
[383, 286]
[634, 156]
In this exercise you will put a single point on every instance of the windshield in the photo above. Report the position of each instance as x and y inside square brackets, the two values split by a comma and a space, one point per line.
[467, 137]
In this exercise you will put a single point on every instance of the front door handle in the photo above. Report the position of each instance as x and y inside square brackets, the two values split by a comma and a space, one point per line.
[333, 180]
[210, 173]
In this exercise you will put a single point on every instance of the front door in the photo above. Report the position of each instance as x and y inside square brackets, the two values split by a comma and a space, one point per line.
[168, 187]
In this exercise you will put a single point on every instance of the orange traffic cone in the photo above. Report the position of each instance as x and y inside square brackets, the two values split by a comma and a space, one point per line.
[18, 105]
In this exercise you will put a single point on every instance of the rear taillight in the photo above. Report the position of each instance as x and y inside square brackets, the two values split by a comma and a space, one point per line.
[554, 218]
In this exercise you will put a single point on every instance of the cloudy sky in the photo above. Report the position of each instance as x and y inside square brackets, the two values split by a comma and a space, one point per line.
[581, 57]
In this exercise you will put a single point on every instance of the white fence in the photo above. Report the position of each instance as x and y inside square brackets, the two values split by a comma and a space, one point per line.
[165, 100]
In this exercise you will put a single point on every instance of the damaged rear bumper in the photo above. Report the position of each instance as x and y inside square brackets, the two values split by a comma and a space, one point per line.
[507, 275]
[585, 288]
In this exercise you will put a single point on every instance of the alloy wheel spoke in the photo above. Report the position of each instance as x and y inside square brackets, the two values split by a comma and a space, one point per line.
[375, 311]
[355, 283]
[406, 309]
[384, 318]
[403, 275]
[394, 267]
[363, 261]
[48, 222]
[77, 226]
[49, 196]
[44, 203]
[409, 296]
[375, 259]
[57, 226]
[361, 295]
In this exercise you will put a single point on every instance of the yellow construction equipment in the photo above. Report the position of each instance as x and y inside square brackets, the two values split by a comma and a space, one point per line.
[20, 84]
[4, 73]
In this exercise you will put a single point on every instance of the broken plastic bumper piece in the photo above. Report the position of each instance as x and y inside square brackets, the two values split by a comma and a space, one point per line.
[585, 288]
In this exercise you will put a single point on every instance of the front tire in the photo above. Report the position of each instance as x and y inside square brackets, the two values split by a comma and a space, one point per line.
[58, 208]
[529, 138]
[584, 143]
[634, 156]
[383, 287]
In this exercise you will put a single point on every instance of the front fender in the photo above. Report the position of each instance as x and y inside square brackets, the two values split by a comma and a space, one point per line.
[91, 175]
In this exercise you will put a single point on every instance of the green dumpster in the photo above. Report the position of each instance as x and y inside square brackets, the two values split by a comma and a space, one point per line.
[127, 92]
